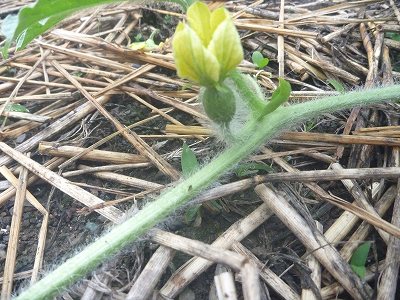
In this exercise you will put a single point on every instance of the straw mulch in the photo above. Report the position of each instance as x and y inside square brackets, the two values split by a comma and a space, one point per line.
[104, 134]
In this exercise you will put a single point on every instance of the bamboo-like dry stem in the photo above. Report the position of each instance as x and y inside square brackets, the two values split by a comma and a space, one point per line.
[151, 274]
[105, 168]
[281, 42]
[126, 180]
[315, 242]
[9, 266]
[225, 286]
[335, 174]
[194, 267]
[386, 287]
[132, 137]
[48, 148]
[299, 136]
[26, 116]
[360, 198]
[315, 267]
[250, 280]
[37, 265]
[273, 280]
[79, 194]
[382, 205]
[197, 248]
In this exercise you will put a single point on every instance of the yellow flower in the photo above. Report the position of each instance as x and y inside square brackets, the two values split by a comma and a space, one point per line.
[208, 47]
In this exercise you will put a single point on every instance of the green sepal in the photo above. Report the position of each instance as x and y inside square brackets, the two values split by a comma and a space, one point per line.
[219, 104]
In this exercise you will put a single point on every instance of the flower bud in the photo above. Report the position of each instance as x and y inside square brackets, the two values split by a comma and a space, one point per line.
[208, 47]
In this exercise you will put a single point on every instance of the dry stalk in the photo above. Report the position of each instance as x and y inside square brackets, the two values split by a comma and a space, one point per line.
[299, 136]
[54, 149]
[225, 283]
[91, 293]
[151, 274]
[9, 266]
[315, 242]
[281, 41]
[250, 280]
[315, 267]
[79, 194]
[43, 228]
[9, 192]
[126, 180]
[386, 288]
[272, 280]
[105, 168]
[196, 266]
[353, 187]
[382, 206]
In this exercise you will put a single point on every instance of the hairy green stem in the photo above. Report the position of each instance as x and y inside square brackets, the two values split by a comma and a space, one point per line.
[256, 104]
[254, 135]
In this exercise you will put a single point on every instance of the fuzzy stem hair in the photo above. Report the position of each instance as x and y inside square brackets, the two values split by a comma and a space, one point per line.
[254, 134]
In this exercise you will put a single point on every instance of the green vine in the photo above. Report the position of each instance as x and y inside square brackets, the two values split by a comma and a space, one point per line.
[253, 135]
[207, 50]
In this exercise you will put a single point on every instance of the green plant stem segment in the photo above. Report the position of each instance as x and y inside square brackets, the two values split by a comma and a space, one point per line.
[254, 134]
[256, 104]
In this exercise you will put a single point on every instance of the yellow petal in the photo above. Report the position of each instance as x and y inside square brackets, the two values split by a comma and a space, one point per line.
[193, 61]
[183, 58]
[217, 17]
[226, 47]
[198, 16]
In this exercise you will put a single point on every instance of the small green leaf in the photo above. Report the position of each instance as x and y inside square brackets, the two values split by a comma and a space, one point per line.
[213, 207]
[359, 270]
[8, 26]
[33, 20]
[251, 168]
[147, 45]
[189, 161]
[337, 85]
[186, 86]
[7, 29]
[393, 35]
[15, 107]
[138, 37]
[259, 60]
[279, 96]
[78, 74]
[192, 213]
[282, 93]
[310, 125]
[359, 259]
